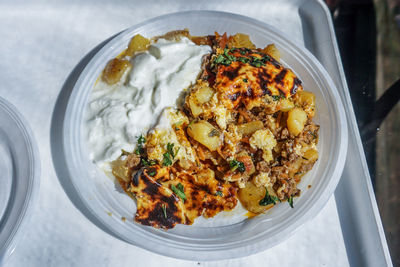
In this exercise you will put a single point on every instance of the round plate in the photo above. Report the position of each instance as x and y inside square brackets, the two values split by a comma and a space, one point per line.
[226, 236]
[19, 176]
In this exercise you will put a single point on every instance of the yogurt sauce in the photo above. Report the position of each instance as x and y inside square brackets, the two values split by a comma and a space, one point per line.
[117, 114]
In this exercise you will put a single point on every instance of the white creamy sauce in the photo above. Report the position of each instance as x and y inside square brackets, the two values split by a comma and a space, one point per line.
[117, 114]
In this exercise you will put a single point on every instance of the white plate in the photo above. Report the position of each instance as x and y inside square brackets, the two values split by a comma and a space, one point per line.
[227, 236]
[19, 176]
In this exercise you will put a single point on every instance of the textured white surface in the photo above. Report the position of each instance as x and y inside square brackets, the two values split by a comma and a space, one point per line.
[41, 44]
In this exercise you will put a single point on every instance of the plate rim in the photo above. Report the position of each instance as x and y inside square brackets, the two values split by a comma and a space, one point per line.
[24, 215]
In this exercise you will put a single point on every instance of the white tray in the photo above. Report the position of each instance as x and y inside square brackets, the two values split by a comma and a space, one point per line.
[53, 37]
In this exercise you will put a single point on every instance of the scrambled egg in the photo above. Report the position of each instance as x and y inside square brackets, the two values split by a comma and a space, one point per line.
[168, 132]
[265, 140]
[262, 179]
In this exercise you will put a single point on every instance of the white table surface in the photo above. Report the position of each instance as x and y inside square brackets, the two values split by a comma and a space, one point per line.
[41, 43]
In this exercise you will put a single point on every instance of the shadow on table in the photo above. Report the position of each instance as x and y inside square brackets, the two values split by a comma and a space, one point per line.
[56, 138]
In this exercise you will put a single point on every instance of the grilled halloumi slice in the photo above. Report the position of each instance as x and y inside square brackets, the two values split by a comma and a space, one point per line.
[246, 76]
[157, 205]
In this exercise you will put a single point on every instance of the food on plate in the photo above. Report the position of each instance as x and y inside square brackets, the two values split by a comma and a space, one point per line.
[189, 125]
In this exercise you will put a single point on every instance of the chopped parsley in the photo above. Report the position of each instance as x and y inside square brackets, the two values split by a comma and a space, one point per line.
[179, 191]
[268, 199]
[169, 155]
[235, 164]
[152, 172]
[219, 193]
[167, 161]
[226, 59]
[148, 162]
[314, 135]
[245, 80]
[277, 97]
[164, 208]
[140, 142]
[213, 132]
[290, 200]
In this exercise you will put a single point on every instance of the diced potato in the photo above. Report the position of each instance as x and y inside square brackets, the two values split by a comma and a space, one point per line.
[114, 70]
[250, 197]
[198, 97]
[272, 51]
[137, 44]
[120, 170]
[240, 40]
[295, 166]
[286, 105]
[205, 133]
[250, 127]
[176, 35]
[311, 155]
[194, 106]
[204, 94]
[307, 101]
[296, 120]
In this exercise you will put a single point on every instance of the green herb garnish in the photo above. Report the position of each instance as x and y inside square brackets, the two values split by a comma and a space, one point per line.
[167, 161]
[219, 193]
[213, 132]
[169, 155]
[277, 97]
[268, 199]
[149, 162]
[313, 134]
[290, 200]
[164, 208]
[245, 80]
[235, 164]
[152, 172]
[179, 191]
[140, 142]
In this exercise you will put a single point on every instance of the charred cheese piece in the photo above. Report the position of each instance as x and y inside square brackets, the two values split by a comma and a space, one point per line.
[205, 195]
[157, 205]
[244, 75]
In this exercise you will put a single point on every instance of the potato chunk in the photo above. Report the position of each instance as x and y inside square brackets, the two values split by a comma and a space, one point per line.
[250, 197]
[138, 43]
[114, 70]
[199, 96]
[307, 101]
[272, 51]
[285, 105]
[311, 155]
[240, 40]
[250, 127]
[205, 133]
[296, 120]
[204, 94]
